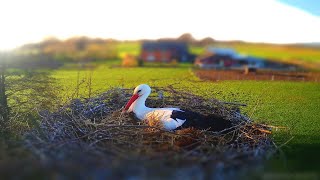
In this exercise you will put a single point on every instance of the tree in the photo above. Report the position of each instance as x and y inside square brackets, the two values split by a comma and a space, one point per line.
[206, 41]
[4, 108]
[187, 38]
[78, 49]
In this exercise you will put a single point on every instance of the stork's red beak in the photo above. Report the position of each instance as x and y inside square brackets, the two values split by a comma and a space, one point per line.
[132, 99]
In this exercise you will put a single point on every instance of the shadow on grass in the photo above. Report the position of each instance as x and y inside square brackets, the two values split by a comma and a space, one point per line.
[299, 155]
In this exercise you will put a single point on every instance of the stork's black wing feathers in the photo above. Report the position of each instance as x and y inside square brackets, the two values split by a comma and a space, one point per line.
[212, 122]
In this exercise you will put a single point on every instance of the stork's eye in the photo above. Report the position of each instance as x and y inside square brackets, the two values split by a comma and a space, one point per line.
[139, 91]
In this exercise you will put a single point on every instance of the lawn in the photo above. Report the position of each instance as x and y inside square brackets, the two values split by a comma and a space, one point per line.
[291, 104]
[306, 56]
[280, 52]
[132, 48]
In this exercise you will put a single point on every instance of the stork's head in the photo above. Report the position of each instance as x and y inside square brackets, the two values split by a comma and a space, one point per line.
[140, 94]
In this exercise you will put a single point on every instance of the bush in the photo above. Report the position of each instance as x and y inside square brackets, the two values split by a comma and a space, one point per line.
[129, 61]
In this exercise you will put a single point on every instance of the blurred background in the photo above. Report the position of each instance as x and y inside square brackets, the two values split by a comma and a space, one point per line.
[265, 54]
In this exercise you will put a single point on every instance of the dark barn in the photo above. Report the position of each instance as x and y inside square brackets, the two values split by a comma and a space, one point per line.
[226, 58]
[215, 61]
[165, 51]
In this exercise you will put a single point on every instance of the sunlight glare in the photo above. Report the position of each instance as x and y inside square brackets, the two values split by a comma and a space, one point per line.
[249, 20]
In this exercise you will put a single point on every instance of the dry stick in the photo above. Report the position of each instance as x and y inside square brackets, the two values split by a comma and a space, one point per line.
[77, 86]
[280, 151]
[118, 151]
[263, 130]
[259, 101]
[286, 142]
[232, 138]
[232, 103]
[70, 140]
[144, 126]
[233, 127]
[276, 127]
[187, 153]
[108, 138]
[129, 126]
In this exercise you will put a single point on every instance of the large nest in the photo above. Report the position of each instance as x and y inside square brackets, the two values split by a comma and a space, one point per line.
[94, 133]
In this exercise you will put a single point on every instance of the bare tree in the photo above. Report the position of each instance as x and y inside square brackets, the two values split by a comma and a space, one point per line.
[4, 108]
[23, 92]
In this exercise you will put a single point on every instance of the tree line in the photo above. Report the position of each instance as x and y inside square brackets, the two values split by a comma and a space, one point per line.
[87, 49]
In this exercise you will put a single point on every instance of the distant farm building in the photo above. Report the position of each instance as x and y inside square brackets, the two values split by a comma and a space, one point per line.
[215, 61]
[165, 51]
[226, 58]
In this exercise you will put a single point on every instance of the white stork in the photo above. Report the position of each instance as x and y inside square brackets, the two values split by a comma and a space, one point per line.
[172, 118]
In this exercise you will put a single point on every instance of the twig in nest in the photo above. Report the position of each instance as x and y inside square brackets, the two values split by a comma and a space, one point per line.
[116, 135]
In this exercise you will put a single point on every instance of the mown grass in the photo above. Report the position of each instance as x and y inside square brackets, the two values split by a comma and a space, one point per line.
[291, 104]
[280, 52]
[197, 50]
[306, 56]
[132, 48]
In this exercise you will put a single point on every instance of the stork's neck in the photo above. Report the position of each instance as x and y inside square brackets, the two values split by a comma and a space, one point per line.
[139, 107]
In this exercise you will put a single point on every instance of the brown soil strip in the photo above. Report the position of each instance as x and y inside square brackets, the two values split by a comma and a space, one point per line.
[221, 75]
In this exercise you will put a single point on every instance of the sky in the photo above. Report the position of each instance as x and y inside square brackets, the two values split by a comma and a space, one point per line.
[311, 6]
[271, 21]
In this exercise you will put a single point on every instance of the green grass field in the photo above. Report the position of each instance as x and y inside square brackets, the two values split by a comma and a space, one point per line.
[306, 56]
[294, 105]
[280, 52]
[132, 48]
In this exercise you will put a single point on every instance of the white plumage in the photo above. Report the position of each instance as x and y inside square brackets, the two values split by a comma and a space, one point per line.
[172, 118]
[137, 105]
